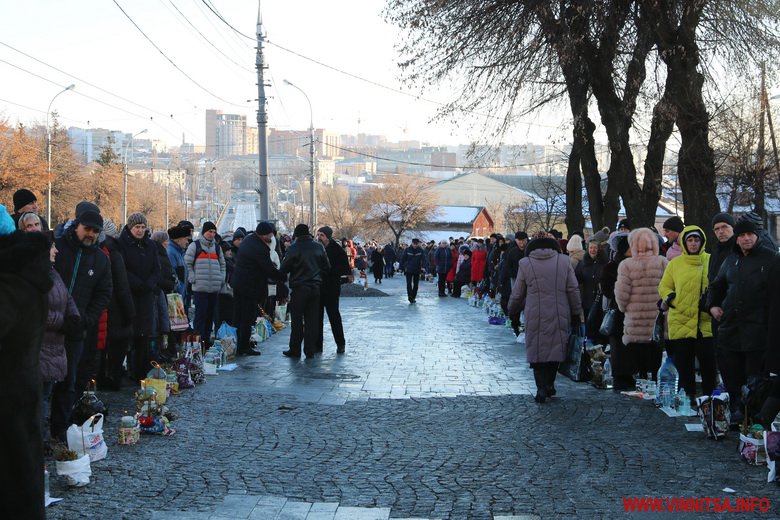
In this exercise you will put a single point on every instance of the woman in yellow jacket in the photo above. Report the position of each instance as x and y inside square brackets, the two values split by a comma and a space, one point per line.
[690, 330]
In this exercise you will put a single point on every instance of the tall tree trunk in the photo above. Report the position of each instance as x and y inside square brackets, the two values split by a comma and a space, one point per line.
[575, 220]
[661, 128]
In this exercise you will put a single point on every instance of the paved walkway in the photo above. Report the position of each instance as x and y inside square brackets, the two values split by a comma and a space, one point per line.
[428, 415]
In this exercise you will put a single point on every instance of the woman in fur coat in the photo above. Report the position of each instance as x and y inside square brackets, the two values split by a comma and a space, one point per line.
[636, 293]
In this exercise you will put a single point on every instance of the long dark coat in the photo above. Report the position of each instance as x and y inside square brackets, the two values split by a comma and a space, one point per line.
[143, 275]
[121, 310]
[378, 264]
[24, 288]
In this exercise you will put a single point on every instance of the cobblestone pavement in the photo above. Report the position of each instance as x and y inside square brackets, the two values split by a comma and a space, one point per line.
[428, 415]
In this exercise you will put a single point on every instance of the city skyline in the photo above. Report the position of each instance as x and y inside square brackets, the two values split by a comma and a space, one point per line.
[123, 82]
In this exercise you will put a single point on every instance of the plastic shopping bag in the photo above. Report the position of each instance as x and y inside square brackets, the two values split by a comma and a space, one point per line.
[226, 331]
[88, 439]
[75, 472]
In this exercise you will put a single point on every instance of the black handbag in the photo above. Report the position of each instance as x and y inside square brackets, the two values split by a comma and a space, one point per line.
[595, 316]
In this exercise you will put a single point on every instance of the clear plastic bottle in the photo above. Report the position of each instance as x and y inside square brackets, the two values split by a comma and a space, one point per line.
[608, 374]
[668, 383]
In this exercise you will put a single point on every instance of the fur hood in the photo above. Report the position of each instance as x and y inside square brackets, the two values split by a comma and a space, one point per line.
[643, 242]
[542, 243]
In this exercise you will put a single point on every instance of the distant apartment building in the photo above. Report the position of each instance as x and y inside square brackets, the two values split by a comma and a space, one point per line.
[296, 143]
[227, 135]
[88, 143]
[443, 161]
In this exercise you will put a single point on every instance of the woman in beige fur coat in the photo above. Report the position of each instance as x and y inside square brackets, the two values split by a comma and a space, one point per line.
[636, 293]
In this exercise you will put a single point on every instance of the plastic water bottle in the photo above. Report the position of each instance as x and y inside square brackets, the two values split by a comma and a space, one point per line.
[607, 374]
[668, 381]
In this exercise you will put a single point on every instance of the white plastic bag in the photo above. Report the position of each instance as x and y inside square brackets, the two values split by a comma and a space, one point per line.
[88, 439]
[75, 472]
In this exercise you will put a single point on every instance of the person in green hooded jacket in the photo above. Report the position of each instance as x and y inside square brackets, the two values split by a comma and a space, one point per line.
[690, 329]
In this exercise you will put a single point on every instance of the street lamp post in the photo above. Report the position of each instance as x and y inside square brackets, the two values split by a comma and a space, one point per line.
[48, 151]
[312, 174]
[124, 179]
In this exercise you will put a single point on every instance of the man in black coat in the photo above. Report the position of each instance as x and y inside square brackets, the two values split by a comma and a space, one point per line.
[86, 271]
[414, 261]
[308, 265]
[508, 272]
[739, 300]
[251, 274]
[330, 290]
[24, 286]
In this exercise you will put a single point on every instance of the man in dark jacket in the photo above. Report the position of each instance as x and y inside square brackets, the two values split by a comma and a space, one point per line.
[251, 274]
[739, 300]
[508, 273]
[24, 286]
[390, 259]
[414, 261]
[331, 288]
[308, 265]
[443, 259]
[86, 271]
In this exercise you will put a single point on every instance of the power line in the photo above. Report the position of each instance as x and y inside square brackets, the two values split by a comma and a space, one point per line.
[213, 10]
[204, 89]
[151, 119]
[81, 80]
[207, 40]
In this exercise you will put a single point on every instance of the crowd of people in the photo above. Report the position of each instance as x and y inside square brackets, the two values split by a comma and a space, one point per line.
[88, 300]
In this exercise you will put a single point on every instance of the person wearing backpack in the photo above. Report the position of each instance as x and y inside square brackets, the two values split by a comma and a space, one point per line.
[206, 271]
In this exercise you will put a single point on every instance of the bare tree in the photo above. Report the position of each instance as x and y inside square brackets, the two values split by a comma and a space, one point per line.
[402, 203]
[344, 213]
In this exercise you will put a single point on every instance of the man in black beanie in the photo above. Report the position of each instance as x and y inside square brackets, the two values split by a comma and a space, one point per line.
[330, 290]
[308, 265]
[673, 226]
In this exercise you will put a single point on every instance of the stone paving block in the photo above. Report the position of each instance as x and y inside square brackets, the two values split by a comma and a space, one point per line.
[178, 515]
[317, 507]
[237, 506]
[321, 515]
[362, 513]
[294, 511]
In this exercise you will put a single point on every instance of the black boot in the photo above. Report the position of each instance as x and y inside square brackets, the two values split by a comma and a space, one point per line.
[768, 412]
[540, 377]
[552, 371]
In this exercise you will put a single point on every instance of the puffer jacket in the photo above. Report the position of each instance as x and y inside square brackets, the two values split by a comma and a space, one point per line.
[636, 289]
[53, 359]
[207, 272]
[546, 289]
[687, 277]
[443, 259]
[741, 289]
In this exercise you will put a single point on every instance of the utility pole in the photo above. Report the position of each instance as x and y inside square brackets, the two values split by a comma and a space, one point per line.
[262, 120]
[167, 186]
[759, 183]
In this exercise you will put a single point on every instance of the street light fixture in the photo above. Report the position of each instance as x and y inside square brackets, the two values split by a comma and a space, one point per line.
[124, 179]
[312, 175]
[48, 151]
